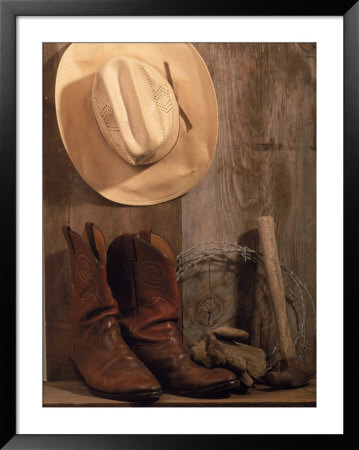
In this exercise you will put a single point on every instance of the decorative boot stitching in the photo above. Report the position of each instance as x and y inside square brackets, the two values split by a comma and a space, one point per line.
[152, 274]
[86, 272]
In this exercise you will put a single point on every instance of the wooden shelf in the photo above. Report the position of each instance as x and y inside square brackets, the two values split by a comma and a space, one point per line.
[75, 393]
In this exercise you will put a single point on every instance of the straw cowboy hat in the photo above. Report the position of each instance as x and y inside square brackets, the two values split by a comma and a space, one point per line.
[139, 121]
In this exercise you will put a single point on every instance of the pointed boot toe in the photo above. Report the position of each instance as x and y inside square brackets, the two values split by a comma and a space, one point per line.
[215, 381]
[143, 383]
[139, 387]
[221, 376]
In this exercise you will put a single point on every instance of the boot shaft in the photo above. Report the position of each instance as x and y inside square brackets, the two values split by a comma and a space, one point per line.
[91, 298]
[142, 277]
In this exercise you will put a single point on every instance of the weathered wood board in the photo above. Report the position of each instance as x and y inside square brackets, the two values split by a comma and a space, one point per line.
[265, 164]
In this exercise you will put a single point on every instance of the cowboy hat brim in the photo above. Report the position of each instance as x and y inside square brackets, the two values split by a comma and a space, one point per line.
[103, 169]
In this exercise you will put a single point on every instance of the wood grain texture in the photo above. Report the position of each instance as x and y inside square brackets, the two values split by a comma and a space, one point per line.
[265, 164]
[68, 200]
[75, 394]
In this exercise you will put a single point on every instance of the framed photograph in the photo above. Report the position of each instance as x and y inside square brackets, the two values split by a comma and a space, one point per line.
[169, 174]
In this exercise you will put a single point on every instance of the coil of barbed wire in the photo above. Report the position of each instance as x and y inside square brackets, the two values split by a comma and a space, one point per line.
[197, 254]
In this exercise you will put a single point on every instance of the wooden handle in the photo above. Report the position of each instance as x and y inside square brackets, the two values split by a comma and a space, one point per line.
[275, 283]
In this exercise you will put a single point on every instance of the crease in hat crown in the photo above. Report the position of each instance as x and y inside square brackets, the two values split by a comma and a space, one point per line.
[135, 109]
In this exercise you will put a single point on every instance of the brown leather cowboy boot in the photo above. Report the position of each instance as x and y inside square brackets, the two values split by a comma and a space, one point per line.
[142, 275]
[109, 368]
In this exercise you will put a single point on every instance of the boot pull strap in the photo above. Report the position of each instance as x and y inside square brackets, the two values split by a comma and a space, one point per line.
[129, 246]
[67, 231]
[91, 238]
[146, 235]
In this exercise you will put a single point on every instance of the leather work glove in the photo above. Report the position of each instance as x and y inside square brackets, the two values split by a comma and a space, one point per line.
[222, 347]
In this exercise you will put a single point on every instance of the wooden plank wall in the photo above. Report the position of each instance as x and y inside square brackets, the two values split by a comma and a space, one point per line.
[265, 164]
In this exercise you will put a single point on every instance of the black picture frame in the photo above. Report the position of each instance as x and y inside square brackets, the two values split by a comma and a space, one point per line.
[9, 10]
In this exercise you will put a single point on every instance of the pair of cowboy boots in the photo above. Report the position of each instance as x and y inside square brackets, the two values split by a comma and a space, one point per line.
[123, 312]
